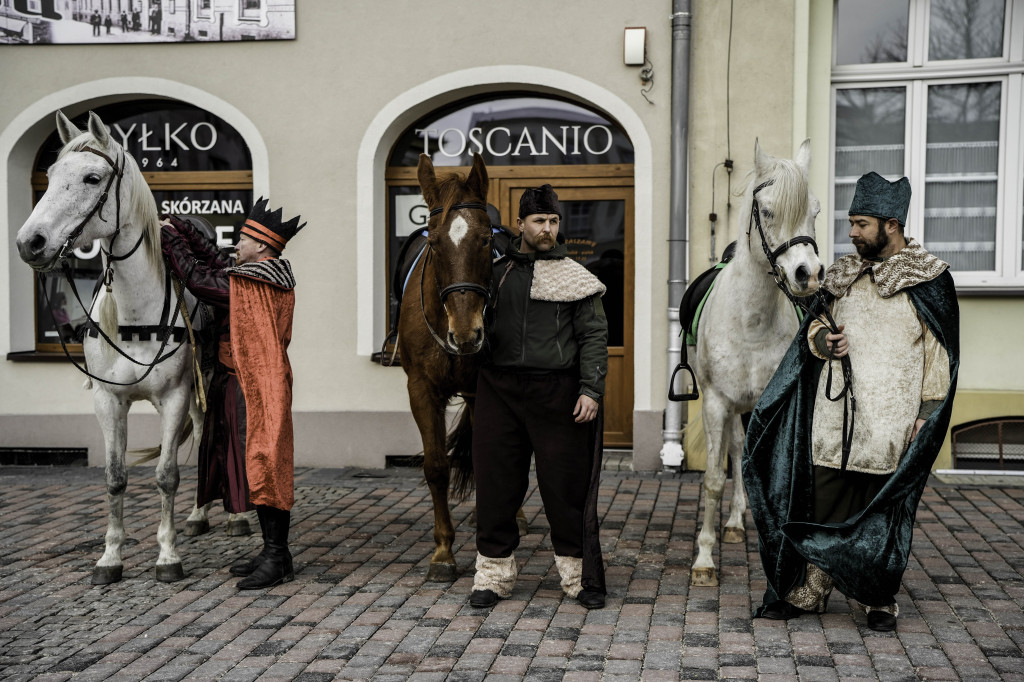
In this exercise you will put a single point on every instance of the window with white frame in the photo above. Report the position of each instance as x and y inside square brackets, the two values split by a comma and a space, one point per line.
[934, 90]
[250, 9]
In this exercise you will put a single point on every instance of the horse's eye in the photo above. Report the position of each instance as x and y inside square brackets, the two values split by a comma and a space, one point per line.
[92, 179]
[766, 213]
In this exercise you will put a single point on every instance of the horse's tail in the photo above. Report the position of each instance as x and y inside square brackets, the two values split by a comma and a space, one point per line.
[460, 453]
[694, 441]
[144, 455]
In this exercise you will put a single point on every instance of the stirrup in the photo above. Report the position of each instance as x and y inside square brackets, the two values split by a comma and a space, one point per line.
[681, 397]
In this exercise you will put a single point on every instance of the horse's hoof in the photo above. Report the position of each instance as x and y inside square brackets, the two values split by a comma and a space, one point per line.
[239, 527]
[524, 526]
[734, 535]
[170, 573]
[105, 575]
[194, 528]
[703, 577]
[442, 573]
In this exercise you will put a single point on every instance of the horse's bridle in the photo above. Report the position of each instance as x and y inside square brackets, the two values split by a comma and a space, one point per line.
[108, 273]
[773, 254]
[850, 405]
[447, 291]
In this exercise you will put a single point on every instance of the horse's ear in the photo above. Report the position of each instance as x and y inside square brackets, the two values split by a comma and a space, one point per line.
[428, 180]
[66, 129]
[477, 181]
[803, 157]
[98, 129]
[762, 161]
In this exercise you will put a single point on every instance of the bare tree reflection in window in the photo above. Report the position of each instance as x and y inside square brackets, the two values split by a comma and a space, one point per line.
[966, 29]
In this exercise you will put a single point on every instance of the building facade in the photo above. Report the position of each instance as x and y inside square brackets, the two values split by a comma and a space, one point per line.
[330, 123]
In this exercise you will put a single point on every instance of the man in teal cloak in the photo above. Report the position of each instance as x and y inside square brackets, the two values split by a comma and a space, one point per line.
[834, 478]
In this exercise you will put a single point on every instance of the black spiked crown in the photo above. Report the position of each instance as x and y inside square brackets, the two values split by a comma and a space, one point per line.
[265, 226]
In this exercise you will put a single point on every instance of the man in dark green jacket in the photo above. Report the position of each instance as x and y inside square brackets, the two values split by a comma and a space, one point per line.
[540, 392]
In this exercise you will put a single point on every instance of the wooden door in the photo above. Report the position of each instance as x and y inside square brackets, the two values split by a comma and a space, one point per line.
[597, 223]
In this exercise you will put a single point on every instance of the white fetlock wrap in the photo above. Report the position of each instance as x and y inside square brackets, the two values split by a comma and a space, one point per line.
[571, 571]
[496, 575]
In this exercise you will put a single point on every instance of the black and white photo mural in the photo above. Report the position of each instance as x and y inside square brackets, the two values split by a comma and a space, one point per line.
[47, 22]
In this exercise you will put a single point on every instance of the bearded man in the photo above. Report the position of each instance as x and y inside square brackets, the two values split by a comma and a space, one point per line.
[539, 392]
[834, 479]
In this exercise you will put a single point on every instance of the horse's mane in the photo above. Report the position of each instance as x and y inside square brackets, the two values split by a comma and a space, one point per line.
[450, 190]
[142, 205]
[790, 196]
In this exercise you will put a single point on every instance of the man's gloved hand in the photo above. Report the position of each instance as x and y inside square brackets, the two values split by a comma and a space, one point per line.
[170, 239]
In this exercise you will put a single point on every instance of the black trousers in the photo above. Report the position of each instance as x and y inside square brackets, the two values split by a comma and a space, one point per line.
[518, 414]
[838, 495]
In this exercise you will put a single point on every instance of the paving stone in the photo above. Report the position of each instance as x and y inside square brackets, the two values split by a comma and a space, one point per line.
[360, 607]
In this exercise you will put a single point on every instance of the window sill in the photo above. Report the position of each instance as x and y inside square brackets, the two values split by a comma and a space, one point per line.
[41, 356]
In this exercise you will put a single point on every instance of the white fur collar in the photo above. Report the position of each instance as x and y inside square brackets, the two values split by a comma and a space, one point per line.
[563, 280]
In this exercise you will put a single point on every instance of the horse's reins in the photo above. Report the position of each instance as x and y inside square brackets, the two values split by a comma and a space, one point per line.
[846, 395]
[447, 291]
[108, 276]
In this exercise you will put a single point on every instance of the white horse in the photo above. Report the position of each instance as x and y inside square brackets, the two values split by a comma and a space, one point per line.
[747, 324]
[96, 191]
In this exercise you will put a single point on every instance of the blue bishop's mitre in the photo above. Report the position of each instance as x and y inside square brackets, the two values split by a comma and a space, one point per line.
[875, 196]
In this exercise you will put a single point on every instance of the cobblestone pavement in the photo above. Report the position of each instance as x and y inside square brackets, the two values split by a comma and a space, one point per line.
[360, 608]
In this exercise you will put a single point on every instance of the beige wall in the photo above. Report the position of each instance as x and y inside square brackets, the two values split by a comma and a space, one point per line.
[309, 104]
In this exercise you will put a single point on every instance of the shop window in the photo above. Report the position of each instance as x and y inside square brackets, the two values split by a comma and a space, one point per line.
[991, 444]
[195, 165]
[901, 110]
[508, 132]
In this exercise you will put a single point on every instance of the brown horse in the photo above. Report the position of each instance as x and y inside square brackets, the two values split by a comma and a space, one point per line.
[440, 334]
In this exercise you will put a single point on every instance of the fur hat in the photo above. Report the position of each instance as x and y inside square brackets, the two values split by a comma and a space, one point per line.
[539, 200]
[266, 227]
[877, 197]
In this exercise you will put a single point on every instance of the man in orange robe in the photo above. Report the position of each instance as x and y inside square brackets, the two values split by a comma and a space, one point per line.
[261, 302]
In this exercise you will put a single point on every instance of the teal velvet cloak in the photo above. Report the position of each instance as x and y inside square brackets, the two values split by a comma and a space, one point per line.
[866, 555]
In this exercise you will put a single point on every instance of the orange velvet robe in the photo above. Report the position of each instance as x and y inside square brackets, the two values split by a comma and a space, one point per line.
[261, 329]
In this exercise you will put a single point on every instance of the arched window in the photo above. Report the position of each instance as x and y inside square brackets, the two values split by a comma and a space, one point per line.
[528, 140]
[195, 165]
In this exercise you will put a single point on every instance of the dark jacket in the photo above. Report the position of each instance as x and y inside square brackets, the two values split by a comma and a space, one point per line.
[528, 334]
[197, 262]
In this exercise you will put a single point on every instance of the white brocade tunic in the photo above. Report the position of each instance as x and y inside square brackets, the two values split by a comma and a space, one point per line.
[897, 364]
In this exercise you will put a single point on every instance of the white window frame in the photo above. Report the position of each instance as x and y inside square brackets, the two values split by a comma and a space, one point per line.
[917, 75]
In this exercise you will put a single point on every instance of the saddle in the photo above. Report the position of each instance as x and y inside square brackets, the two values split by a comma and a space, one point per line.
[692, 303]
[690, 308]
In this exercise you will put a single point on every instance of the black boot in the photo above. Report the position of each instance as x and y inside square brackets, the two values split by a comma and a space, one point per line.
[245, 567]
[276, 567]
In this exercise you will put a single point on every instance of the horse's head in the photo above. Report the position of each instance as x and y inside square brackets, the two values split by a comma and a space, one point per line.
[459, 237]
[91, 179]
[783, 210]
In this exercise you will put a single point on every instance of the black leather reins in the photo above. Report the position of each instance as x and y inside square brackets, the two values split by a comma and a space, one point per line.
[846, 395]
[165, 329]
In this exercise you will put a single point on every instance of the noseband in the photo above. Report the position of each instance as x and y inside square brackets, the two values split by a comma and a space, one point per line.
[447, 291]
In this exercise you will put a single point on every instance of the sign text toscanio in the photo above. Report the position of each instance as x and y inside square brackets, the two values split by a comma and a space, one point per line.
[569, 140]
